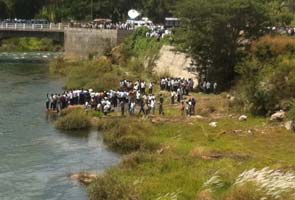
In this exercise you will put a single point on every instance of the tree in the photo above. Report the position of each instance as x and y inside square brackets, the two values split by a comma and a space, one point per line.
[4, 12]
[214, 32]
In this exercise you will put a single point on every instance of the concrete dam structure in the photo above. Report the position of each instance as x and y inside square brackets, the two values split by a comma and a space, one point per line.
[78, 43]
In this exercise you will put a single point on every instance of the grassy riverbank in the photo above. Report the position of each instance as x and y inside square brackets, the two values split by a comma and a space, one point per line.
[28, 45]
[176, 157]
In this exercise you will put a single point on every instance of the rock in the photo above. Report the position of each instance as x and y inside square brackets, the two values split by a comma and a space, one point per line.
[84, 178]
[278, 116]
[232, 99]
[243, 118]
[290, 125]
[213, 124]
[197, 117]
[237, 131]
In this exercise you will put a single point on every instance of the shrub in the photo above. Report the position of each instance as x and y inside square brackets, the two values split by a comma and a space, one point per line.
[128, 135]
[291, 113]
[268, 80]
[107, 187]
[73, 119]
[270, 47]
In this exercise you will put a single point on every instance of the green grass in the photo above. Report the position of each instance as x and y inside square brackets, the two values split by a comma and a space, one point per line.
[179, 166]
[73, 119]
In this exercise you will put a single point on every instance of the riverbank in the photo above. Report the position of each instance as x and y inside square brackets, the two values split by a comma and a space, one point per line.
[178, 157]
[215, 154]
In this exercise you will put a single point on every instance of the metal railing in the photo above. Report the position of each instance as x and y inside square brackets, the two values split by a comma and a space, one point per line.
[33, 27]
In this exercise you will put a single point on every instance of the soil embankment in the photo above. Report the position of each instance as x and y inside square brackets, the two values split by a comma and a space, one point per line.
[174, 63]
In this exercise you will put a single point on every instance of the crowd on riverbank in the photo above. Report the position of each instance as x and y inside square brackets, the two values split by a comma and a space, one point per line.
[132, 97]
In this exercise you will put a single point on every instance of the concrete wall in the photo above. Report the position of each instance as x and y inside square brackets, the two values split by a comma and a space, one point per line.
[80, 43]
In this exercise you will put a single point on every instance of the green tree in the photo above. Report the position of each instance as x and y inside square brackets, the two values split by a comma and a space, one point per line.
[4, 12]
[214, 32]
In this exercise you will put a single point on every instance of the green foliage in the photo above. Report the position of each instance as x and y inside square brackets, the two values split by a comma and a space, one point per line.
[99, 75]
[140, 46]
[73, 119]
[29, 44]
[127, 136]
[212, 33]
[4, 12]
[291, 113]
[107, 187]
[267, 78]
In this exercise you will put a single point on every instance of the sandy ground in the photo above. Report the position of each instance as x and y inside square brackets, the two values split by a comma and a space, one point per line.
[174, 63]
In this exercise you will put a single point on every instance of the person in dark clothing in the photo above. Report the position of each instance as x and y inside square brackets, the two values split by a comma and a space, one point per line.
[47, 101]
[141, 103]
[122, 105]
[161, 110]
[194, 102]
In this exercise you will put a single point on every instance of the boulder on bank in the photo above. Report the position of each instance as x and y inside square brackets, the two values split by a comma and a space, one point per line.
[278, 116]
[243, 118]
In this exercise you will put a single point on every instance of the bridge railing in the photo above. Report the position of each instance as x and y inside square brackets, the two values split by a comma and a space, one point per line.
[35, 27]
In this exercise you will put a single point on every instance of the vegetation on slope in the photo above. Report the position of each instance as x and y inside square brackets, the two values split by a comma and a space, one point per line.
[29, 44]
[267, 81]
[132, 60]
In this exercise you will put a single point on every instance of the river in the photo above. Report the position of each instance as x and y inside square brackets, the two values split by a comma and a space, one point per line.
[35, 158]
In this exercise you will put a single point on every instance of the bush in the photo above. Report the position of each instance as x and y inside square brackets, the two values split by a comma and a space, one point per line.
[267, 81]
[107, 187]
[270, 47]
[73, 119]
[291, 113]
[128, 135]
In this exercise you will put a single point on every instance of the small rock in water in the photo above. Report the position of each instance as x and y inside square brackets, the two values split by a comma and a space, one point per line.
[243, 118]
[213, 124]
[84, 178]
[278, 116]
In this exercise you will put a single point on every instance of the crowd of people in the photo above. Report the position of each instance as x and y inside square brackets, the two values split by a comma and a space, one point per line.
[209, 87]
[92, 25]
[132, 97]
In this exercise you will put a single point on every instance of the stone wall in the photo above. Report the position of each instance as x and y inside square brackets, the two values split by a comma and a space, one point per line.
[80, 43]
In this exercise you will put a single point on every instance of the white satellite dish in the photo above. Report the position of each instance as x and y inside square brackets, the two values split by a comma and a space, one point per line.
[133, 14]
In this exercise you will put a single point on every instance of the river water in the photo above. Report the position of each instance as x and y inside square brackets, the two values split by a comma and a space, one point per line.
[35, 158]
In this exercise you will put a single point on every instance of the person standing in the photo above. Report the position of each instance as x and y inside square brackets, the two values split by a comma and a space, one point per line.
[215, 88]
[182, 108]
[47, 102]
[151, 86]
[122, 105]
[161, 110]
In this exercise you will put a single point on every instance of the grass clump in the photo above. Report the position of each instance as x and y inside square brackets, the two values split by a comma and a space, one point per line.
[127, 135]
[73, 119]
[110, 188]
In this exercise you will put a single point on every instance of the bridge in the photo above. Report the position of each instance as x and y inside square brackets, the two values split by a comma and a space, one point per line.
[78, 43]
